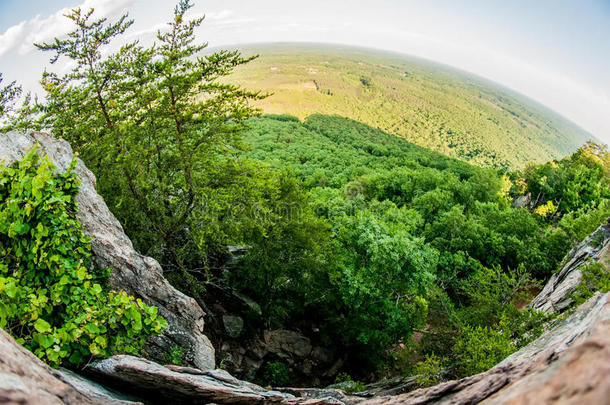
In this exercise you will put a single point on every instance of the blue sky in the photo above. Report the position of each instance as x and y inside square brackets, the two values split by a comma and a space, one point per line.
[554, 51]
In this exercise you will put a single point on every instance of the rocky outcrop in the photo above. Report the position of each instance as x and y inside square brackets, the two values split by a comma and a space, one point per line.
[24, 379]
[184, 385]
[233, 325]
[555, 297]
[286, 343]
[138, 275]
[94, 389]
[391, 386]
[568, 364]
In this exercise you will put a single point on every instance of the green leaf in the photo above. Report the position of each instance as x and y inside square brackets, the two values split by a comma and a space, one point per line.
[41, 325]
[81, 273]
[44, 340]
[97, 289]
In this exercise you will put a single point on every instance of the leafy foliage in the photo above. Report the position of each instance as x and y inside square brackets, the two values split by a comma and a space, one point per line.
[383, 277]
[580, 181]
[492, 293]
[428, 372]
[595, 277]
[289, 253]
[424, 239]
[276, 374]
[346, 383]
[8, 95]
[480, 348]
[174, 356]
[50, 300]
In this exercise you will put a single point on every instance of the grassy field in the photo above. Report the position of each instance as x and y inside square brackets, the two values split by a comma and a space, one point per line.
[431, 105]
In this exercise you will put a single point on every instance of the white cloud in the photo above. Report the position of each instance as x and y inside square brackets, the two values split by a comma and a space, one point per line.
[220, 15]
[11, 37]
[148, 31]
[43, 29]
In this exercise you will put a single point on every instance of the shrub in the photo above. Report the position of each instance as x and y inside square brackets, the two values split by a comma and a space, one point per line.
[479, 349]
[595, 277]
[50, 300]
[174, 356]
[276, 374]
[345, 382]
[428, 372]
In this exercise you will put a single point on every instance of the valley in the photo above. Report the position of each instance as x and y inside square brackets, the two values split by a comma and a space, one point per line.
[428, 104]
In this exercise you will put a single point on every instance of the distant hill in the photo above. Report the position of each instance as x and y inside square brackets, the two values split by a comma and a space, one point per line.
[431, 105]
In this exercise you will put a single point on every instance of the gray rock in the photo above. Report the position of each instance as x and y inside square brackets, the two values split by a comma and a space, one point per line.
[287, 344]
[95, 390]
[233, 324]
[183, 385]
[555, 296]
[138, 275]
[245, 358]
[317, 394]
[392, 386]
[24, 379]
[321, 355]
[523, 201]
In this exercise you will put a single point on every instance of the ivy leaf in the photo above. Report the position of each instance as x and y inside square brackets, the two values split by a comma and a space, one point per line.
[97, 289]
[81, 273]
[41, 325]
[44, 340]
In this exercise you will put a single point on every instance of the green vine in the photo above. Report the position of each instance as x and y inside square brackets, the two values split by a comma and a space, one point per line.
[51, 299]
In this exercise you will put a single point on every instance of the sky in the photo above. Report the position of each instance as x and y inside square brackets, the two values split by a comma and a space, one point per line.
[554, 51]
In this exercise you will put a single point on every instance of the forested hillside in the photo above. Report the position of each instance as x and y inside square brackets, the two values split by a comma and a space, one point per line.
[431, 105]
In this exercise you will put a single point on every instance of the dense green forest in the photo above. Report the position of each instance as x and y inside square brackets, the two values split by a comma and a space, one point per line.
[422, 239]
[348, 230]
[426, 103]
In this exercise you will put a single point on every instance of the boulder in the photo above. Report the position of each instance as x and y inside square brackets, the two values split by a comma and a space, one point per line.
[568, 364]
[185, 385]
[523, 201]
[96, 390]
[287, 344]
[233, 324]
[24, 379]
[391, 386]
[134, 273]
[555, 296]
